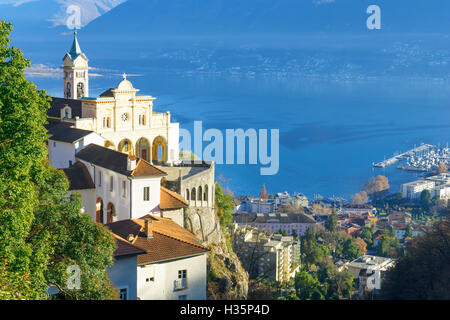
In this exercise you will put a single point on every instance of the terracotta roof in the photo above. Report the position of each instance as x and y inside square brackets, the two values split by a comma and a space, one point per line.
[169, 241]
[125, 248]
[117, 161]
[171, 200]
[79, 177]
[144, 168]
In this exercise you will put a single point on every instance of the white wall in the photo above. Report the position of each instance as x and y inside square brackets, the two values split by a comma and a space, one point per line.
[139, 206]
[134, 194]
[123, 274]
[162, 288]
[60, 153]
[121, 204]
[88, 199]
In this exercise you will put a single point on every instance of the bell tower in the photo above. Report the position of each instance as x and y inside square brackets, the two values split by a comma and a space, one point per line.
[76, 77]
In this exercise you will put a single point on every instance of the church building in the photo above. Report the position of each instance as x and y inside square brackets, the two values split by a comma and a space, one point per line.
[122, 117]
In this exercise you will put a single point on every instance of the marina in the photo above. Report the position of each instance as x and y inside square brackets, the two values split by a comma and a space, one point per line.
[405, 155]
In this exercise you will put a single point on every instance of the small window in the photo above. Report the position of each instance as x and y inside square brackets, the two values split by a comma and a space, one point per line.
[123, 294]
[182, 274]
[99, 178]
[146, 193]
[111, 183]
[70, 163]
[124, 189]
[182, 297]
[54, 144]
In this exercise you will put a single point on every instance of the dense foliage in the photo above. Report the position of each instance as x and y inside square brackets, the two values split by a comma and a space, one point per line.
[424, 271]
[42, 230]
[225, 206]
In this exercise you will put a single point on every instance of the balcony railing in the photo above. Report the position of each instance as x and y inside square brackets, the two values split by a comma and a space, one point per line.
[180, 284]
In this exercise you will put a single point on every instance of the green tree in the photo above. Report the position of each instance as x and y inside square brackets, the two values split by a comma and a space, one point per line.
[22, 136]
[425, 200]
[350, 251]
[308, 287]
[43, 232]
[408, 231]
[225, 206]
[423, 272]
[313, 252]
[367, 235]
[332, 221]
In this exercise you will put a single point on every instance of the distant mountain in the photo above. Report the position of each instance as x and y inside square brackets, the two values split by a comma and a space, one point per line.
[40, 25]
[40, 15]
[158, 18]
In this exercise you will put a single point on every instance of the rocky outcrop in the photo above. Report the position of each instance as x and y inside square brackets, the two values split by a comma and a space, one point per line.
[227, 279]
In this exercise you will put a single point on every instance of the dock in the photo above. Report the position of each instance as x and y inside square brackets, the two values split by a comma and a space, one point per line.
[387, 162]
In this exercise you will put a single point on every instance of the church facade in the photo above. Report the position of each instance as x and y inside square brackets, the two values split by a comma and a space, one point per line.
[124, 118]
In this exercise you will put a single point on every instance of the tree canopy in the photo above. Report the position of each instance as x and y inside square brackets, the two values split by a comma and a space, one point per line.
[424, 271]
[43, 231]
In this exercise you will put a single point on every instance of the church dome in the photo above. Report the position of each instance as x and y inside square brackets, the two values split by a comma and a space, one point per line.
[125, 84]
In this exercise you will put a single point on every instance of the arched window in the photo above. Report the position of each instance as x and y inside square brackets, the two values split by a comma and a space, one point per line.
[111, 213]
[193, 193]
[187, 194]
[99, 210]
[205, 195]
[68, 90]
[80, 90]
[200, 193]
[106, 122]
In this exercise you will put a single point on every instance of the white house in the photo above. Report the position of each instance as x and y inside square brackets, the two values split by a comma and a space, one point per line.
[115, 186]
[170, 266]
[358, 209]
[64, 142]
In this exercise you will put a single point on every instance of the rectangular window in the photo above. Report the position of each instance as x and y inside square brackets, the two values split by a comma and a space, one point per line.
[182, 274]
[182, 297]
[111, 183]
[99, 178]
[123, 294]
[124, 189]
[146, 193]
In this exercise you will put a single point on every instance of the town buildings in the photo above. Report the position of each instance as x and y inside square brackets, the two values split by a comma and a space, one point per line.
[438, 185]
[358, 209]
[369, 270]
[273, 258]
[291, 223]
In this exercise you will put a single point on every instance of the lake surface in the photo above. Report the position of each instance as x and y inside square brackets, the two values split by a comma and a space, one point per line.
[330, 130]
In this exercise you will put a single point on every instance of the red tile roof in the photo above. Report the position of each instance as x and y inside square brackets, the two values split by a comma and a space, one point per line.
[125, 248]
[171, 200]
[169, 241]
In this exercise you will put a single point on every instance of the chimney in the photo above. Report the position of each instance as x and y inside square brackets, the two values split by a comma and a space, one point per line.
[148, 228]
[131, 163]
